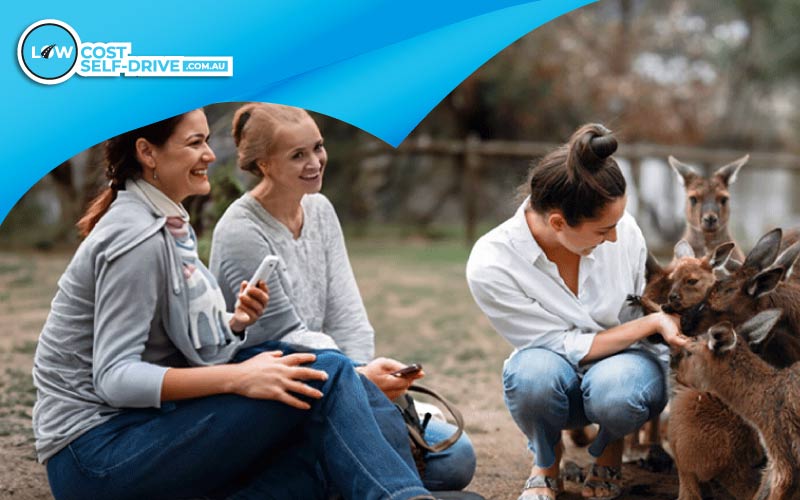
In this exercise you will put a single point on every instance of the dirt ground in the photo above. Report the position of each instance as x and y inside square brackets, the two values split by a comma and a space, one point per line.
[418, 302]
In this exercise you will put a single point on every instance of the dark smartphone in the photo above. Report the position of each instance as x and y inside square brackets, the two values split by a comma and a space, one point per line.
[409, 370]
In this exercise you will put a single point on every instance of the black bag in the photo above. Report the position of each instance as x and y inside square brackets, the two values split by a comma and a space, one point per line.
[416, 427]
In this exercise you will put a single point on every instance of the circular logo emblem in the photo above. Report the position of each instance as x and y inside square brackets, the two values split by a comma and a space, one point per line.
[48, 51]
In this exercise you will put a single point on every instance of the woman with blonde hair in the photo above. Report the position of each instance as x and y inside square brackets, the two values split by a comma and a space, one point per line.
[315, 300]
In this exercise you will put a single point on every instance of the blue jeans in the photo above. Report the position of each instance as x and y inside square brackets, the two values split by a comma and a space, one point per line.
[451, 469]
[545, 394]
[231, 446]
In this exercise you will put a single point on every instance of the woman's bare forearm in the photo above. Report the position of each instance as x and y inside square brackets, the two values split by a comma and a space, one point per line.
[197, 382]
[620, 337]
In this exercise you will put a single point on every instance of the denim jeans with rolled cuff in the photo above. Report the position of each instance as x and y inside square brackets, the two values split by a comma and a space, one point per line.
[545, 395]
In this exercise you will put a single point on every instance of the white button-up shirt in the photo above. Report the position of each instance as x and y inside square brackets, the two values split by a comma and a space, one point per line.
[526, 300]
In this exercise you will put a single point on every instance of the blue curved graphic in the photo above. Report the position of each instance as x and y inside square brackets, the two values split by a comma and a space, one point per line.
[379, 65]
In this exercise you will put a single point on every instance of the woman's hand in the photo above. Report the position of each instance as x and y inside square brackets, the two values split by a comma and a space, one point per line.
[250, 305]
[620, 337]
[669, 326]
[271, 375]
[379, 372]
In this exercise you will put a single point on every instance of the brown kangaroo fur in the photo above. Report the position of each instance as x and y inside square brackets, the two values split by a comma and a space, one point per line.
[707, 205]
[762, 282]
[709, 441]
[685, 282]
[765, 397]
[681, 285]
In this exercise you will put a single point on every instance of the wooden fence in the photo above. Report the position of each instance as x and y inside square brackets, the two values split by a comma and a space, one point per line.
[472, 155]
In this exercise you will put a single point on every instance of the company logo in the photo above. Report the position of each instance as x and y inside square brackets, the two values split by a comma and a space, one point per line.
[50, 52]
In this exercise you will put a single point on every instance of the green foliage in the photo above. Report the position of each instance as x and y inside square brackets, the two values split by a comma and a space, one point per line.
[25, 225]
[225, 189]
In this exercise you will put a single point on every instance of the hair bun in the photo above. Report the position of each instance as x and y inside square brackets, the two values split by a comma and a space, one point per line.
[594, 144]
[603, 145]
[239, 122]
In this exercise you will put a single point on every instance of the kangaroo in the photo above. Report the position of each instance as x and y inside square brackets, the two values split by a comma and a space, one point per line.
[709, 441]
[685, 282]
[707, 205]
[762, 282]
[766, 397]
[712, 447]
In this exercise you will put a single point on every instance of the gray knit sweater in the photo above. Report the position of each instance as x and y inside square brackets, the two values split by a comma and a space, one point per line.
[316, 287]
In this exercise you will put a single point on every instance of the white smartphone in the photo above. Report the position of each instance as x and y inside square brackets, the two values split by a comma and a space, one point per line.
[264, 270]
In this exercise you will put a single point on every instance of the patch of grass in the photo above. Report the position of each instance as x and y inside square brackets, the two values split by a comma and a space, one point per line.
[429, 354]
[419, 253]
[27, 347]
[9, 267]
[22, 280]
[20, 390]
[475, 353]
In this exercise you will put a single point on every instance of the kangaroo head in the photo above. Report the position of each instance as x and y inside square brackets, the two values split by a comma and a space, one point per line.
[736, 295]
[692, 277]
[707, 207]
[704, 360]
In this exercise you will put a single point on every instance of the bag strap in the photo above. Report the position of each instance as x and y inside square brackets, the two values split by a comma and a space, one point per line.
[448, 442]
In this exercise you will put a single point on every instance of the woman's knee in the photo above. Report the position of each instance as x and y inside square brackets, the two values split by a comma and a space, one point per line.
[625, 394]
[534, 378]
[623, 413]
[464, 462]
[332, 362]
[453, 468]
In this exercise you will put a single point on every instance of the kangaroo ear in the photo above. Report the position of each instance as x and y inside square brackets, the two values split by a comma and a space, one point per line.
[683, 249]
[730, 267]
[787, 259]
[756, 329]
[727, 174]
[764, 282]
[652, 267]
[763, 254]
[721, 255]
[686, 173]
[721, 337]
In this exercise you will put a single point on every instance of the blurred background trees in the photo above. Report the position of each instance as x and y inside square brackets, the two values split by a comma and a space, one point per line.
[710, 74]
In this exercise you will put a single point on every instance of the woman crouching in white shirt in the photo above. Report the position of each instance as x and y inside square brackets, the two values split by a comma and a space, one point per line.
[558, 295]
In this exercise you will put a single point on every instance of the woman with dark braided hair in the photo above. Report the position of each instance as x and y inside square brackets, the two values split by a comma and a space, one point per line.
[551, 288]
[143, 387]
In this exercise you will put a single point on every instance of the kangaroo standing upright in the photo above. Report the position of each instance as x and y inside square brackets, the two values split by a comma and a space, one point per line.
[707, 205]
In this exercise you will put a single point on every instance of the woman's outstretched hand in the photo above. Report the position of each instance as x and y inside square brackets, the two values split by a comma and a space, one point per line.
[379, 372]
[669, 326]
[250, 305]
[271, 375]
